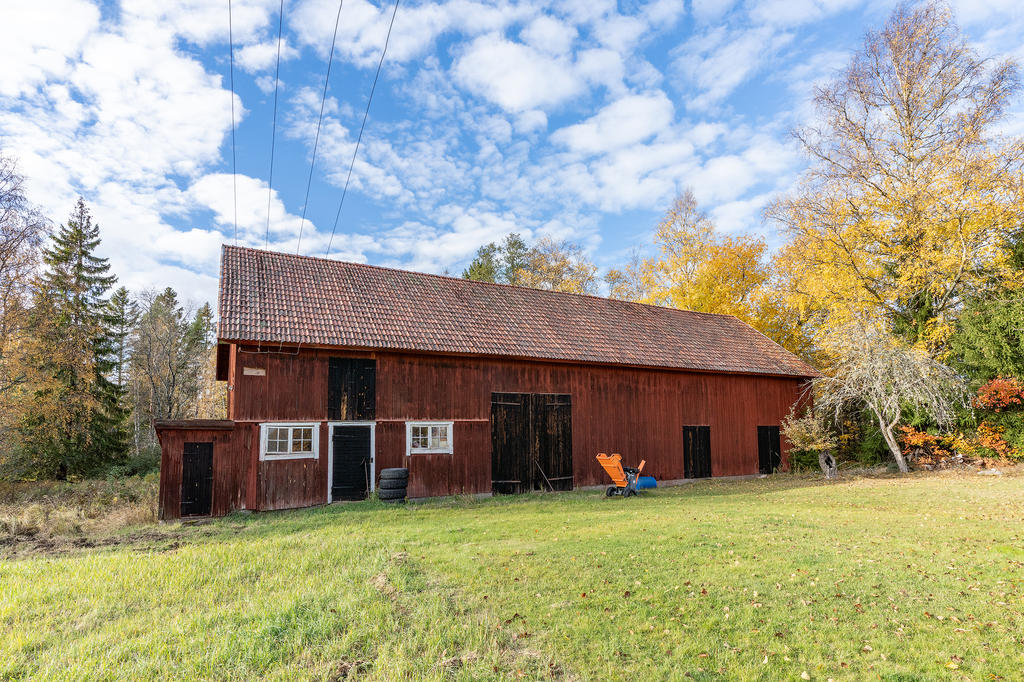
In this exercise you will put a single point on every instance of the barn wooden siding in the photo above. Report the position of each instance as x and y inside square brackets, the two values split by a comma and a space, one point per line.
[233, 445]
[637, 412]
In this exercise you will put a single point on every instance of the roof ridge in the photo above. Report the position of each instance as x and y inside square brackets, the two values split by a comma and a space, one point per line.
[475, 282]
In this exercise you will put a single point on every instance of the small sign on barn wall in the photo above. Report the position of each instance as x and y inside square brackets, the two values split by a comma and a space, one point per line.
[254, 372]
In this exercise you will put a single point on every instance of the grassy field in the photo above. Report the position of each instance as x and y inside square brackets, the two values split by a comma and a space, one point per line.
[916, 578]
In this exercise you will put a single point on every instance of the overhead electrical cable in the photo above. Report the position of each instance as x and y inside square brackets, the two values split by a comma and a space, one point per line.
[359, 139]
[231, 78]
[273, 133]
[316, 140]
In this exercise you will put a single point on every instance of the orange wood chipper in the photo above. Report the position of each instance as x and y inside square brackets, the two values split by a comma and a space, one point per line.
[624, 478]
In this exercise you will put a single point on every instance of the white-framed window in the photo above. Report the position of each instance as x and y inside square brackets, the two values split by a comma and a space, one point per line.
[425, 438]
[290, 441]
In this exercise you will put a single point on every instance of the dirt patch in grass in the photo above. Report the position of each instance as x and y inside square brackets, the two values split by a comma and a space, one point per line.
[345, 670]
[50, 517]
[40, 544]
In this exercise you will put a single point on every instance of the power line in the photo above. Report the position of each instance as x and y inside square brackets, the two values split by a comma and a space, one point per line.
[359, 139]
[316, 140]
[231, 71]
[273, 134]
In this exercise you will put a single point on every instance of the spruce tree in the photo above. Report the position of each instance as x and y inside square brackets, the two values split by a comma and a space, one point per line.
[123, 315]
[109, 435]
[76, 423]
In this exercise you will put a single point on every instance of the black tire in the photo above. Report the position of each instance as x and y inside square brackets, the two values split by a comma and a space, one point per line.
[630, 492]
[610, 492]
[394, 474]
[391, 494]
[392, 484]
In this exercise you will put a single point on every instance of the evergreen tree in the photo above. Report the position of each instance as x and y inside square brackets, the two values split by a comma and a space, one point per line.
[547, 264]
[989, 337]
[484, 267]
[109, 436]
[123, 316]
[515, 258]
[75, 421]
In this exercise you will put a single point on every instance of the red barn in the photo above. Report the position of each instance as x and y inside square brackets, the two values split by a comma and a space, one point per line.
[337, 370]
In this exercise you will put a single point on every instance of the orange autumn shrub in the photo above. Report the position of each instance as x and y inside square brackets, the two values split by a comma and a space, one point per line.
[1000, 394]
[925, 446]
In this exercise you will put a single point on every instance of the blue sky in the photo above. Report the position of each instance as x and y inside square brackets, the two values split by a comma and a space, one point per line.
[576, 119]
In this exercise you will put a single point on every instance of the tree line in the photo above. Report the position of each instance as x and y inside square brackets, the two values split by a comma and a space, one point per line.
[901, 276]
[85, 366]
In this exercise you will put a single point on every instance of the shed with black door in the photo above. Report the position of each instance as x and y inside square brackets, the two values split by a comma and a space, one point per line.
[337, 370]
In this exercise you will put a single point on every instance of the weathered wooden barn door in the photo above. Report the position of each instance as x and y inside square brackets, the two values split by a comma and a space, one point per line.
[552, 438]
[510, 443]
[351, 389]
[697, 451]
[196, 479]
[351, 454]
[531, 442]
[769, 449]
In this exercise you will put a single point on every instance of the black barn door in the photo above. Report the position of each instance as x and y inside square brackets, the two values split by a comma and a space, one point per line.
[531, 442]
[351, 389]
[552, 436]
[197, 479]
[510, 443]
[350, 479]
[769, 449]
[697, 451]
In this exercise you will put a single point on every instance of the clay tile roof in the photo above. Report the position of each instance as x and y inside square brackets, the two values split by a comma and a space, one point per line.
[281, 298]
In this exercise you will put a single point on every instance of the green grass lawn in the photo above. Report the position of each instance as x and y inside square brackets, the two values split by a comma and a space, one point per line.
[915, 578]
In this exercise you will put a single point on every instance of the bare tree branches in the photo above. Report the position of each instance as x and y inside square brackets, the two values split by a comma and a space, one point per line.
[873, 369]
[22, 229]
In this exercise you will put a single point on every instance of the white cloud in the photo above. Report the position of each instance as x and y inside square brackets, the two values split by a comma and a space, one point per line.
[662, 13]
[132, 110]
[626, 121]
[39, 41]
[122, 114]
[202, 21]
[706, 11]
[795, 12]
[363, 27]
[550, 35]
[459, 232]
[601, 66]
[727, 177]
[620, 33]
[530, 121]
[216, 192]
[741, 215]
[514, 76]
[261, 56]
[720, 60]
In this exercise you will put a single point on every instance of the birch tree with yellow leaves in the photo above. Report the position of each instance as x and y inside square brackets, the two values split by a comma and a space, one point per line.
[911, 192]
[697, 268]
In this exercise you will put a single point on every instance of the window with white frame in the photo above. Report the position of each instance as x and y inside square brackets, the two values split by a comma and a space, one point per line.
[428, 438]
[289, 441]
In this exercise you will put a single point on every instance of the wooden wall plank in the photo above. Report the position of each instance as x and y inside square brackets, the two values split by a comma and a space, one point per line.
[639, 413]
[230, 469]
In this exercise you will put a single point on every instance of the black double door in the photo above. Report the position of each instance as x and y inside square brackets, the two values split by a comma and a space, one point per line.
[197, 479]
[769, 449]
[697, 451]
[531, 442]
[352, 462]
